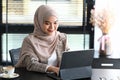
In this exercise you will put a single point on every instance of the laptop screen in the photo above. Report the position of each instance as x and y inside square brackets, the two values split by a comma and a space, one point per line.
[76, 64]
[72, 59]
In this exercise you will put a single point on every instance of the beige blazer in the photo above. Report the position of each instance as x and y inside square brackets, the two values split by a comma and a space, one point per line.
[32, 63]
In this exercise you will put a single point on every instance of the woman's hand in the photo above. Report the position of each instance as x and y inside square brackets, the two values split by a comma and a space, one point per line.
[53, 69]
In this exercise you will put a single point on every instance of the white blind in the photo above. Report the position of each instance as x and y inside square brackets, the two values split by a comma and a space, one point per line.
[22, 11]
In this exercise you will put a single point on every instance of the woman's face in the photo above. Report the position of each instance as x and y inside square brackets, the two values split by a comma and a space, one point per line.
[50, 25]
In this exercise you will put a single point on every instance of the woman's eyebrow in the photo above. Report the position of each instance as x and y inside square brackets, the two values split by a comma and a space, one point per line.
[46, 21]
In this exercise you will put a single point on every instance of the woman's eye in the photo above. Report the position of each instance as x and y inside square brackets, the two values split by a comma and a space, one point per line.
[55, 22]
[46, 23]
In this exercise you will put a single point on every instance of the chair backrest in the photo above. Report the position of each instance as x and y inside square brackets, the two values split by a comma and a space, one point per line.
[14, 54]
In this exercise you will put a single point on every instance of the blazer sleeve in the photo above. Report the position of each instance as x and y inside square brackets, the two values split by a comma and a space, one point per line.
[29, 60]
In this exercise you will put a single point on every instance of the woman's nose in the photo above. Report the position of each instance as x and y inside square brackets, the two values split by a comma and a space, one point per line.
[51, 26]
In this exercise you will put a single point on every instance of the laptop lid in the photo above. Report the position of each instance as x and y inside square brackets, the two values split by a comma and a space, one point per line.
[76, 64]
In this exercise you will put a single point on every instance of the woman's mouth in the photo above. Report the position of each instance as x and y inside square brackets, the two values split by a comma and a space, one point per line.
[50, 30]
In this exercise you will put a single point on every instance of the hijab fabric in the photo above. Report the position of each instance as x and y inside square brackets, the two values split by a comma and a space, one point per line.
[47, 43]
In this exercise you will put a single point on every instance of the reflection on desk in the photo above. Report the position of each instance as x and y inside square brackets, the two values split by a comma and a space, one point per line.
[30, 75]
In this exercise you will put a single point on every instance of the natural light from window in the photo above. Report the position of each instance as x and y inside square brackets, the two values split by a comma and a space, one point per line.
[113, 6]
[22, 11]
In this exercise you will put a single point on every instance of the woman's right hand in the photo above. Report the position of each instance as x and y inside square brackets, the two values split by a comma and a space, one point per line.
[53, 69]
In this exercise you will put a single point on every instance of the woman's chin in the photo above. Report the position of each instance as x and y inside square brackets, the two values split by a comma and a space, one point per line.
[51, 33]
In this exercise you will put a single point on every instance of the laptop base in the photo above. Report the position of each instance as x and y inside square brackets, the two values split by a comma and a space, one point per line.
[76, 73]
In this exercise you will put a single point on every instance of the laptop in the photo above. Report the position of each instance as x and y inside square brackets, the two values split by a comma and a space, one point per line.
[75, 65]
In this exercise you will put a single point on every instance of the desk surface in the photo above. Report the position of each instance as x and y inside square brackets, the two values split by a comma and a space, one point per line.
[29, 75]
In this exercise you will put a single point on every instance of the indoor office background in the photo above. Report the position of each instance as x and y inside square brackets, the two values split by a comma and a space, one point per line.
[16, 22]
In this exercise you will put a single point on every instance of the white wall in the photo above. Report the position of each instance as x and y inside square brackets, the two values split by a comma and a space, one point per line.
[113, 6]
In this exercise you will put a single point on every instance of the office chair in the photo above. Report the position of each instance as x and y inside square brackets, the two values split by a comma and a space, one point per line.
[14, 54]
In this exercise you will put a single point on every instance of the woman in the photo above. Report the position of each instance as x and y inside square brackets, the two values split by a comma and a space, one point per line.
[42, 50]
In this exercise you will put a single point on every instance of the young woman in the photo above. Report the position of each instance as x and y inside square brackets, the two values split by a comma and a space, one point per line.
[42, 50]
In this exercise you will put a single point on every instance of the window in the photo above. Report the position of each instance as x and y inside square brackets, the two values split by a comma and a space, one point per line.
[78, 41]
[15, 41]
[22, 11]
